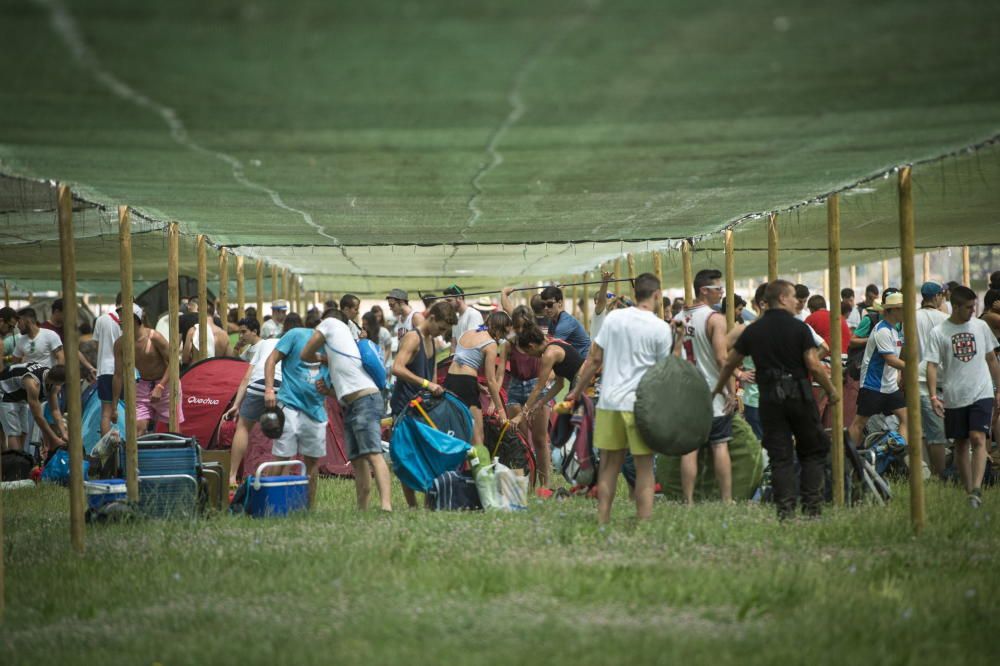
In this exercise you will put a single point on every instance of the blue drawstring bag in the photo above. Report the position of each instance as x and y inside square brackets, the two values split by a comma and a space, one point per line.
[57, 468]
[421, 454]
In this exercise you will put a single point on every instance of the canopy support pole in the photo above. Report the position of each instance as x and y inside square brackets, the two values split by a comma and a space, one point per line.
[285, 291]
[836, 344]
[128, 354]
[772, 247]
[927, 266]
[586, 303]
[630, 261]
[173, 297]
[6, 294]
[730, 281]
[71, 349]
[223, 301]
[966, 267]
[687, 273]
[275, 291]
[854, 279]
[658, 271]
[260, 291]
[241, 291]
[885, 274]
[202, 297]
[573, 308]
[911, 352]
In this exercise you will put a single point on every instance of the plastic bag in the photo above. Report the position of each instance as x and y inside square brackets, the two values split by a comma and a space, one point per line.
[513, 488]
[57, 468]
[486, 484]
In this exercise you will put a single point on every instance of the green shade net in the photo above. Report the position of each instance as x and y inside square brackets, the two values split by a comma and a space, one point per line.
[372, 145]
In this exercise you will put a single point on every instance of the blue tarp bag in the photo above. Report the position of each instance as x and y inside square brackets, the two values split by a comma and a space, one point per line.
[421, 454]
[57, 468]
[372, 362]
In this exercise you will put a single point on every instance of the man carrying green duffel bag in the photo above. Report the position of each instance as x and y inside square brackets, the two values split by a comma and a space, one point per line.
[629, 343]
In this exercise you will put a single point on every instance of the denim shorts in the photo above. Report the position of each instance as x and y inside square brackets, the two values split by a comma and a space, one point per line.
[252, 406]
[933, 425]
[362, 426]
[519, 389]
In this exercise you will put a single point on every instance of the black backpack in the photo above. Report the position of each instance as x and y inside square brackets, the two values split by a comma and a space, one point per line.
[856, 355]
[17, 465]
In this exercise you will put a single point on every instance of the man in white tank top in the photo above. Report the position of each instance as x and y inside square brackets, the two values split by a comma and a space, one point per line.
[705, 346]
[406, 319]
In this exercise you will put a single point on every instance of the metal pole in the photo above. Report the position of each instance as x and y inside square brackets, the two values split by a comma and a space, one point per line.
[71, 350]
[836, 345]
[687, 273]
[730, 281]
[241, 292]
[174, 319]
[128, 354]
[772, 247]
[911, 351]
[658, 271]
[202, 297]
[966, 267]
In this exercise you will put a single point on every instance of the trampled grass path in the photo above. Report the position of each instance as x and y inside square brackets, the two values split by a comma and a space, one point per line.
[712, 585]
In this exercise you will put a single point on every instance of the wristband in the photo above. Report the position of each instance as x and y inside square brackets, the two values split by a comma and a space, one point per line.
[425, 383]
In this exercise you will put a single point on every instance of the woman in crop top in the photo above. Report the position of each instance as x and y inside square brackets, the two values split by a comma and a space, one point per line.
[474, 350]
[558, 357]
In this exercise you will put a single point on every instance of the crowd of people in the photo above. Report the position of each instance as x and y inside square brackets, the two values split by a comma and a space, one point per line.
[510, 362]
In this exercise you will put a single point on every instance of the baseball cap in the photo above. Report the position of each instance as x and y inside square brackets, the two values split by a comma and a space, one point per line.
[454, 290]
[931, 289]
[279, 304]
[893, 300]
[399, 295]
[136, 310]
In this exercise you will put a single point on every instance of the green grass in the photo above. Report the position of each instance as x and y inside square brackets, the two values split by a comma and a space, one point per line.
[707, 585]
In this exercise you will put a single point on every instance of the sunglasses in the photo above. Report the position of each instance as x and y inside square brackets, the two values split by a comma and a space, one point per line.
[717, 287]
[548, 304]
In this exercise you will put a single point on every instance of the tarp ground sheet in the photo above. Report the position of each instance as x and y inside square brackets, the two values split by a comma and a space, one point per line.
[308, 131]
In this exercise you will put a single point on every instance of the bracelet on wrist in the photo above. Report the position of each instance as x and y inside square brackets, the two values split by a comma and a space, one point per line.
[425, 383]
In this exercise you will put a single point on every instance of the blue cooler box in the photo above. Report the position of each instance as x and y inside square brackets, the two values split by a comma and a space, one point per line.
[104, 492]
[277, 495]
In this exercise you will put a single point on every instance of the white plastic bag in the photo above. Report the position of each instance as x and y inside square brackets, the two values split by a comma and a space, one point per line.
[486, 484]
[513, 489]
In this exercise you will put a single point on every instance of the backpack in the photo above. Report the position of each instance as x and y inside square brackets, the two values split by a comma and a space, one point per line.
[370, 361]
[16, 465]
[572, 443]
[454, 491]
[509, 446]
[856, 355]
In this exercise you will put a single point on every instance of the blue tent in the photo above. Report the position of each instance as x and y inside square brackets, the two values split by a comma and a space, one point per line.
[91, 421]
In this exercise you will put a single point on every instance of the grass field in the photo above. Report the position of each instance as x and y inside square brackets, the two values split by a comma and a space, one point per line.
[713, 584]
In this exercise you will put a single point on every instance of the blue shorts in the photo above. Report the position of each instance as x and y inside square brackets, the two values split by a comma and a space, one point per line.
[519, 389]
[104, 388]
[362, 426]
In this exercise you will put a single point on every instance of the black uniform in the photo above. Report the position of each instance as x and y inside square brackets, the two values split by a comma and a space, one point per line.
[778, 342]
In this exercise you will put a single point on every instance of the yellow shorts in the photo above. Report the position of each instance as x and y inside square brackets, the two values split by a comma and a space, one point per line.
[615, 431]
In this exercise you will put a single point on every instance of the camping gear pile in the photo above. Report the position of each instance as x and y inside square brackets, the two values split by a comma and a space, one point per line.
[571, 434]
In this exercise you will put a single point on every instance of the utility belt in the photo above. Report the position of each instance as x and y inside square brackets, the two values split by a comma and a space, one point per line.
[777, 386]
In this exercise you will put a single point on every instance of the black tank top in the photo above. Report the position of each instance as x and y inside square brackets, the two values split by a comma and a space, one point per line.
[12, 381]
[421, 366]
[570, 365]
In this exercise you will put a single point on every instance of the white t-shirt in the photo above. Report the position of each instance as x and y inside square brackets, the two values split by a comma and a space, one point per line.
[596, 322]
[248, 351]
[469, 320]
[927, 321]
[41, 350]
[876, 374]
[261, 351]
[633, 341]
[854, 318]
[270, 329]
[355, 330]
[343, 358]
[106, 331]
[960, 351]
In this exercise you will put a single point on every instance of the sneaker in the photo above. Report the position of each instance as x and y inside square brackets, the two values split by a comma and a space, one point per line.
[544, 493]
[976, 498]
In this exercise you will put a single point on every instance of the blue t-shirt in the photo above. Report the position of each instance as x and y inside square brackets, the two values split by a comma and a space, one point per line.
[298, 379]
[569, 329]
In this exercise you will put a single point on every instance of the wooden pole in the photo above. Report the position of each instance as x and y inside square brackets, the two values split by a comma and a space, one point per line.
[128, 354]
[6, 294]
[260, 291]
[616, 268]
[854, 279]
[586, 304]
[174, 298]
[885, 274]
[71, 349]
[658, 271]
[630, 261]
[911, 352]
[772, 247]
[241, 291]
[836, 345]
[826, 288]
[966, 268]
[285, 293]
[202, 297]
[222, 307]
[730, 281]
[275, 284]
[687, 273]
[927, 266]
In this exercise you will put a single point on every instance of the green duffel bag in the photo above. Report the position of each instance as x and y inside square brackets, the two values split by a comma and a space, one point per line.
[673, 407]
[747, 466]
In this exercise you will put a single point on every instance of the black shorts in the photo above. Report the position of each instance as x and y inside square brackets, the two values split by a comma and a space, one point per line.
[872, 402]
[977, 417]
[464, 387]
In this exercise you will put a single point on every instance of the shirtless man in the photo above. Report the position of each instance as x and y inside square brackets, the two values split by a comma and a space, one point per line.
[152, 354]
[218, 341]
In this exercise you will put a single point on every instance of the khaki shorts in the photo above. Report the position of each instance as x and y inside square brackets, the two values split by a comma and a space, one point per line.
[615, 431]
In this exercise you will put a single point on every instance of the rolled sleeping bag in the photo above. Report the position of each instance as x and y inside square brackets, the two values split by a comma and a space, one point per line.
[673, 407]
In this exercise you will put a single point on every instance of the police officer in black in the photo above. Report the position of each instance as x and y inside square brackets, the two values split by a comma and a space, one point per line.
[784, 353]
